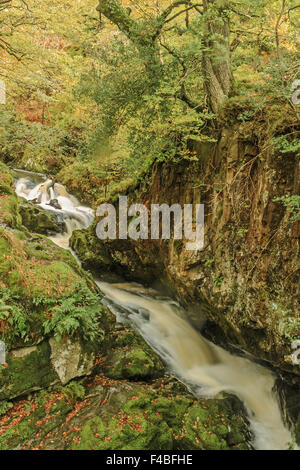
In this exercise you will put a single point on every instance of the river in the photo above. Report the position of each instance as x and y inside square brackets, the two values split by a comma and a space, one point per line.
[205, 368]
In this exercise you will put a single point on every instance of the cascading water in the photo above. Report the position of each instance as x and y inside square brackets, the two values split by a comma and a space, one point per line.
[206, 368]
[53, 196]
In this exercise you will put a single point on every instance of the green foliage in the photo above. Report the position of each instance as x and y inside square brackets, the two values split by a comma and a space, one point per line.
[77, 313]
[285, 145]
[73, 390]
[13, 317]
[290, 327]
[218, 281]
[5, 406]
[292, 203]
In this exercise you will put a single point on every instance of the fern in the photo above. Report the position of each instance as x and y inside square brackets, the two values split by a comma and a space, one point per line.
[79, 313]
[13, 318]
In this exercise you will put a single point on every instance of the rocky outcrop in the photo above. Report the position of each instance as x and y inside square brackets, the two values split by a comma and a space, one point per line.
[38, 220]
[106, 414]
[131, 357]
[56, 330]
[246, 279]
[27, 370]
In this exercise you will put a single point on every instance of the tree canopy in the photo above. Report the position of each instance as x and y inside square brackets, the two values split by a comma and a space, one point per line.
[110, 85]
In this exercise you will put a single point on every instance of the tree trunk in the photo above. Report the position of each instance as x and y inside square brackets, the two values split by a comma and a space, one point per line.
[216, 56]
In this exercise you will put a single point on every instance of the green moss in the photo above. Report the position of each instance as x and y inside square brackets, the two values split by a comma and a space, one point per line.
[130, 357]
[212, 425]
[126, 432]
[9, 214]
[39, 220]
[28, 422]
[24, 374]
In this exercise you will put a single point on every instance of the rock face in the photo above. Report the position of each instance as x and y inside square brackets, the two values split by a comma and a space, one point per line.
[245, 280]
[131, 357]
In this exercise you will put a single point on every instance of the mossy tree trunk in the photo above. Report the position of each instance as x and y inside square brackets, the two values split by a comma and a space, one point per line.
[216, 55]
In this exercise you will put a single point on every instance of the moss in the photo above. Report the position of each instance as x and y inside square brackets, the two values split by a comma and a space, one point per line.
[126, 432]
[29, 421]
[92, 253]
[24, 374]
[123, 416]
[133, 363]
[36, 275]
[36, 219]
[212, 425]
[9, 214]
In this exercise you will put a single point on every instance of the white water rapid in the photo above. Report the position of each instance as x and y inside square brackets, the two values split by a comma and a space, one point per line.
[53, 196]
[202, 366]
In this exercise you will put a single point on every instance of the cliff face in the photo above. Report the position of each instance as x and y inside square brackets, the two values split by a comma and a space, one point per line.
[245, 279]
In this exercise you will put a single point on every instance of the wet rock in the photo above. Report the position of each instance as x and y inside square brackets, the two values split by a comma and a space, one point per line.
[288, 391]
[54, 203]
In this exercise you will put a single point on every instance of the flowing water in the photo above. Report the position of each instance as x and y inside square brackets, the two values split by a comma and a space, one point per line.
[54, 197]
[204, 367]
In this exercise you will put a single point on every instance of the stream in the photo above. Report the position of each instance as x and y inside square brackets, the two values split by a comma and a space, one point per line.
[205, 368]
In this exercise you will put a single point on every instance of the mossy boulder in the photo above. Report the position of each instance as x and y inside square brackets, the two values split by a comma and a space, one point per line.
[124, 432]
[26, 370]
[92, 256]
[39, 220]
[161, 421]
[116, 256]
[99, 413]
[214, 425]
[134, 363]
[131, 357]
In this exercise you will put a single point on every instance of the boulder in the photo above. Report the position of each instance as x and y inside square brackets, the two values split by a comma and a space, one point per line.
[70, 359]
[38, 220]
[27, 370]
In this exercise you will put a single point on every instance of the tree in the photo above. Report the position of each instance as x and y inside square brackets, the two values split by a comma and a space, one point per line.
[13, 15]
[216, 55]
[216, 52]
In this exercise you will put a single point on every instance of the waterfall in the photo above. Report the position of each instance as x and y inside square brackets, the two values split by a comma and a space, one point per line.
[54, 197]
[204, 367]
